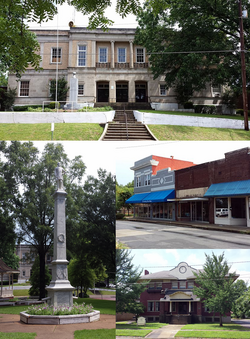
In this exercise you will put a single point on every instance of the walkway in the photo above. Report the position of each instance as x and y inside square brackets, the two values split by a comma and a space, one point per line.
[166, 332]
[11, 323]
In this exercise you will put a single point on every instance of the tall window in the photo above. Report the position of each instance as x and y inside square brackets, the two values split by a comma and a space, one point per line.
[147, 179]
[24, 88]
[80, 89]
[150, 306]
[103, 54]
[174, 284]
[182, 284]
[82, 55]
[140, 55]
[163, 90]
[56, 55]
[157, 306]
[138, 181]
[121, 54]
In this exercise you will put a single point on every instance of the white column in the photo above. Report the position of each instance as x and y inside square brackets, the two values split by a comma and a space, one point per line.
[189, 306]
[131, 54]
[170, 307]
[112, 54]
[93, 53]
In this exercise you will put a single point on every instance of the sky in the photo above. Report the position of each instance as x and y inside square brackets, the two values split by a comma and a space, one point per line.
[67, 13]
[95, 155]
[196, 151]
[164, 260]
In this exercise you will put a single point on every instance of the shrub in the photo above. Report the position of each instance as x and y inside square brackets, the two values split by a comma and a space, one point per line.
[240, 111]
[119, 216]
[95, 109]
[59, 310]
[188, 105]
[53, 105]
[205, 109]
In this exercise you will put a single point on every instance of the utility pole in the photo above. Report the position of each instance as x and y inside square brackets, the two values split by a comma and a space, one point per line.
[243, 69]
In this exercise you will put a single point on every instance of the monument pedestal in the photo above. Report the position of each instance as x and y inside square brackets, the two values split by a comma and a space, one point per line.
[60, 289]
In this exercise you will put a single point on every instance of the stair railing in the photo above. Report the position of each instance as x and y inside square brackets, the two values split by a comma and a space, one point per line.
[126, 123]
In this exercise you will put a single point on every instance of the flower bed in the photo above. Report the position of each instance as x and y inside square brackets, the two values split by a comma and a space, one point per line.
[59, 310]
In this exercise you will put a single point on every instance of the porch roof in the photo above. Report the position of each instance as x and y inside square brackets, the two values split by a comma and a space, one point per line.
[6, 269]
[229, 189]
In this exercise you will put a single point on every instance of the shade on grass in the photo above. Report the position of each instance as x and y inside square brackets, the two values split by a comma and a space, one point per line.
[167, 132]
[95, 334]
[43, 131]
[133, 333]
[17, 335]
[213, 334]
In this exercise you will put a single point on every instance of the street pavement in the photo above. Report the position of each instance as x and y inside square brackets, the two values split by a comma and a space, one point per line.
[138, 234]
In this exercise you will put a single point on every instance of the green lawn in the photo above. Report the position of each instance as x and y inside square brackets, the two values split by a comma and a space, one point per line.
[95, 334]
[214, 331]
[17, 335]
[133, 333]
[21, 293]
[167, 132]
[104, 306]
[125, 329]
[43, 131]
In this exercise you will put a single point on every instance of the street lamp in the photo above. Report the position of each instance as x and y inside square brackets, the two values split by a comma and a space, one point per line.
[243, 68]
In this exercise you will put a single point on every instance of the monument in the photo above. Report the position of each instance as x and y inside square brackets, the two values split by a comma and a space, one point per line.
[60, 289]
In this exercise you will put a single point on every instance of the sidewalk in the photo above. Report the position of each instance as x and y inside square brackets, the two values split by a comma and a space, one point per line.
[165, 332]
[11, 323]
[207, 226]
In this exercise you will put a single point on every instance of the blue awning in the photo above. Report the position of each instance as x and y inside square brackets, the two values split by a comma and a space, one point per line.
[160, 196]
[229, 189]
[136, 198]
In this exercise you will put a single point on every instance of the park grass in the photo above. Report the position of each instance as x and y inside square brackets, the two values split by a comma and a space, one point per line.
[193, 114]
[125, 325]
[133, 333]
[168, 132]
[21, 293]
[71, 131]
[17, 335]
[95, 334]
[229, 331]
[104, 306]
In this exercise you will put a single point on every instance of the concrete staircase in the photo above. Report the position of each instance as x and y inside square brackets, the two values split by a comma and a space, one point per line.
[125, 127]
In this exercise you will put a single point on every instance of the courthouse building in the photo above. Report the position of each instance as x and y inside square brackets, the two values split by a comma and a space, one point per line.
[109, 67]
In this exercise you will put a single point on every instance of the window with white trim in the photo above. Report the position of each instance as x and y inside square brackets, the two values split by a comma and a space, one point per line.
[24, 88]
[190, 284]
[103, 54]
[150, 306]
[121, 54]
[140, 55]
[82, 53]
[182, 284]
[157, 306]
[56, 55]
[138, 181]
[23, 273]
[147, 179]
[80, 89]
[175, 284]
[163, 90]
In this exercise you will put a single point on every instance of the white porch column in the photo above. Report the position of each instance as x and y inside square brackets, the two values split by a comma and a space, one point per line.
[189, 306]
[1, 284]
[131, 54]
[112, 54]
[170, 307]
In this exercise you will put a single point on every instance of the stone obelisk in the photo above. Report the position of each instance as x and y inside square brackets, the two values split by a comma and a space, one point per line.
[60, 290]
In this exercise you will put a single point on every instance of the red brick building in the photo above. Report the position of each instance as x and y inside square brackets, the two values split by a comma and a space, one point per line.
[169, 298]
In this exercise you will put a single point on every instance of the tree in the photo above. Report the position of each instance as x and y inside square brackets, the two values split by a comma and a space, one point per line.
[215, 285]
[240, 288]
[196, 43]
[242, 305]
[81, 274]
[19, 47]
[123, 193]
[29, 182]
[62, 89]
[128, 290]
[35, 277]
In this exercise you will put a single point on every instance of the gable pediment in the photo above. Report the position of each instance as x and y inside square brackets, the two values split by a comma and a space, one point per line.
[180, 295]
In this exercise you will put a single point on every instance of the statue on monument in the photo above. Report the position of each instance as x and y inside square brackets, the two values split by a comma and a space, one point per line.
[59, 171]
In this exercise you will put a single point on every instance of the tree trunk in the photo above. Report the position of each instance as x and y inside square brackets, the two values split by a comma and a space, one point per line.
[221, 320]
[42, 275]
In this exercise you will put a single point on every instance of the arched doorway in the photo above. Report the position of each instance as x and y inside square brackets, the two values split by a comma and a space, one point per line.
[141, 92]
[122, 91]
[102, 91]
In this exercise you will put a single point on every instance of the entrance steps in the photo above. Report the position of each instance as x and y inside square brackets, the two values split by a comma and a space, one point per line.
[125, 105]
[125, 127]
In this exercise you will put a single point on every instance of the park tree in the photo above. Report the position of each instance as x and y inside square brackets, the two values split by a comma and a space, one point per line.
[242, 305]
[19, 47]
[35, 277]
[128, 289]
[123, 193]
[60, 87]
[215, 285]
[197, 43]
[30, 184]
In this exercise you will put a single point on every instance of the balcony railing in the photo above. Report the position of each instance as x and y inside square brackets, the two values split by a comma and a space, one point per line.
[121, 65]
[103, 65]
[141, 65]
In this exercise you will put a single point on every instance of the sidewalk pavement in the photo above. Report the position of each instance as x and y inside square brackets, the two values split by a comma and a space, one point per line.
[165, 332]
[194, 224]
[12, 323]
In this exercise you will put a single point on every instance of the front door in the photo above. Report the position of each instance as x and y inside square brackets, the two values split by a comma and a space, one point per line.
[141, 92]
[102, 92]
[122, 92]
[183, 307]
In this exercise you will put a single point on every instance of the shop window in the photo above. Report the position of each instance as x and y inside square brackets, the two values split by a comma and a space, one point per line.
[221, 207]
[184, 210]
[238, 206]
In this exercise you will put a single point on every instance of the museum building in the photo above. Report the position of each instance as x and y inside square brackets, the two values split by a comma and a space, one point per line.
[169, 297]
[216, 192]
[109, 67]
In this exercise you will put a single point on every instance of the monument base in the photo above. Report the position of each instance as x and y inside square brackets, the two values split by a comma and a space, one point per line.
[60, 294]
[59, 319]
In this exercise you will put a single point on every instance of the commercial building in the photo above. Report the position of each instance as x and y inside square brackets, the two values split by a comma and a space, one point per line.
[109, 68]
